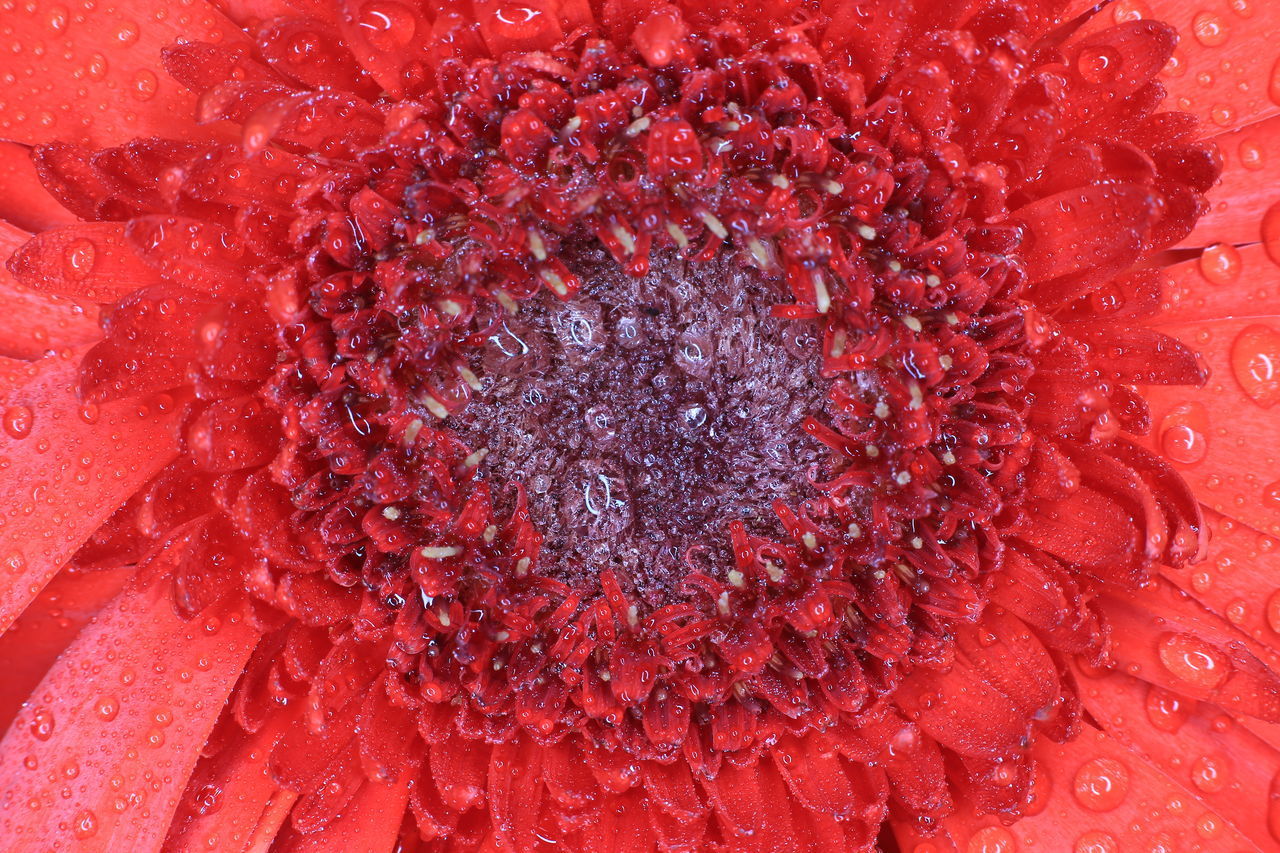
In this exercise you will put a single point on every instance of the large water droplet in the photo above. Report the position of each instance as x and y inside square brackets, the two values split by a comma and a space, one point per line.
[992, 839]
[1096, 841]
[1209, 29]
[1182, 434]
[1209, 773]
[1255, 363]
[85, 825]
[18, 421]
[42, 724]
[1098, 64]
[387, 25]
[1101, 784]
[1220, 264]
[1191, 659]
[78, 258]
[1270, 231]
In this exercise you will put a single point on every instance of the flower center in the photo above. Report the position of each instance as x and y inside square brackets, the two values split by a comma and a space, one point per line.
[644, 415]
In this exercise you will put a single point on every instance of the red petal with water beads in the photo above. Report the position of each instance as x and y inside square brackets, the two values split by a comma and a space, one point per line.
[48, 625]
[103, 66]
[1243, 386]
[36, 323]
[230, 797]
[1218, 74]
[139, 689]
[1227, 767]
[70, 466]
[370, 822]
[1240, 202]
[1092, 793]
[91, 261]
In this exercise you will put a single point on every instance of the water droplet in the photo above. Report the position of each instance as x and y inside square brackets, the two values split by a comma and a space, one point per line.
[42, 724]
[127, 32]
[387, 25]
[78, 258]
[1273, 611]
[144, 85]
[1208, 773]
[1191, 659]
[1209, 29]
[1273, 85]
[1252, 155]
[85, 825]
[1182, 434]
[18, 421]
[1255, 363]
[1096, 842]
[107, 707]
[56, 17]
[1098, 64]
[1220, 264]
[992, 839]
[1101, 784]
[1124, 11]
[1271, 230]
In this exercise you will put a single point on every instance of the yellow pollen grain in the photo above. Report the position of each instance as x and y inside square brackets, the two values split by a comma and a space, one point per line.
[555, 282]
[866, 232]
[522, 567]
[473, 381]
[639, 126]
[677, 234]
[440, 552]
[854, 530]
[736, 578]
[912, 323]
[505, 300]
[821, 296]
[536, 246]
[448, 306]
[902, 478]
[391, 513]
[412, 430]
[715, 225]
[475, 458]
[490, 533]
[810, 541]
[624, 237]
[435, 407]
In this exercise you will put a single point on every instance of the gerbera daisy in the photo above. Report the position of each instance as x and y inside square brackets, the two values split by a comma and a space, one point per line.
[791, 425]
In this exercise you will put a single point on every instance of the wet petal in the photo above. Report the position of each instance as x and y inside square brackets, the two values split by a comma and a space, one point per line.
[70, 466]
[117, 724]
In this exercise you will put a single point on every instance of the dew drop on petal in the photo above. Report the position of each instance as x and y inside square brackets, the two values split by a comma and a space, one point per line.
[78, 258]
[1101, 784]
[85, 825]
[387, 25]
[1271, 231]
[1209, 29]
[18, 421]
[1255, 363]
[1220, 264]
[1183, 434]
[1096, 841]
[1191, 659]
[42, 724]
[992, 839]
[107, 707]
[1209, 774]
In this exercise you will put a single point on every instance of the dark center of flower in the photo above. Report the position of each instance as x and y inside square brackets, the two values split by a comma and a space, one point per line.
[645, 414]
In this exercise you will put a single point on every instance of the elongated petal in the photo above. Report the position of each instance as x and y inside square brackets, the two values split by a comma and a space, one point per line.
[103, 750]
[369, 824]
[47, 627]
[69, 468]
[1225, 281]
[88, 260]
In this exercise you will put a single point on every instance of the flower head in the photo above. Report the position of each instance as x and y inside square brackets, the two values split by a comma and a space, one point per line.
[608, 426]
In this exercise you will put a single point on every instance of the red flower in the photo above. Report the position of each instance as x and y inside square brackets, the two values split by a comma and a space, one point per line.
[782, 426]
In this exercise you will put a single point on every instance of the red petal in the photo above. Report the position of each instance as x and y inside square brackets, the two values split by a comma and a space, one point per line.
[1093, 794]
[1229, 768]
[46, 627]
[1240, 201]
[1225, 281]
[33, 323]
[124, 713]
[24, 201]
[229, 795]
[88, 260]
[369, 824]
[1223, 70]
[1221, 437]
[1171, 641]
[70, 469]
[1101, 227]
[87, 72]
